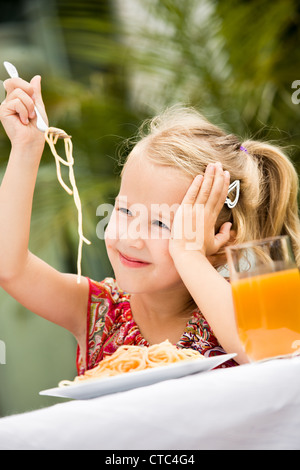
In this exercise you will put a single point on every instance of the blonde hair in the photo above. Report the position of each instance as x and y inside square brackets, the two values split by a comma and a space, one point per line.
[182, 138]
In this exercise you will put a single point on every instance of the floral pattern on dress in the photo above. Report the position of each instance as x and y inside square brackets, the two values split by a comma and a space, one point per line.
[110, 324]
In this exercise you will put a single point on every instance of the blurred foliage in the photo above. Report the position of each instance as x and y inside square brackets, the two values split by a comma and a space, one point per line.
[233, 60]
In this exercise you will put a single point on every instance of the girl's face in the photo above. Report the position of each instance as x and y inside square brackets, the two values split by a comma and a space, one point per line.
[137, 236]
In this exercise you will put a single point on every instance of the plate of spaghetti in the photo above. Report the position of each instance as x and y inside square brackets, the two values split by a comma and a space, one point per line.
[136, 366]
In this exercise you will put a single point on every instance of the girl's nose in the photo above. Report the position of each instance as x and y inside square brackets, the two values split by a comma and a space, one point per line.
[137, 243]
[136, 235]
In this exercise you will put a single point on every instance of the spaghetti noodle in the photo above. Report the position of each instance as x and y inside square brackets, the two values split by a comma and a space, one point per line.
[52, 134]
[135, 358]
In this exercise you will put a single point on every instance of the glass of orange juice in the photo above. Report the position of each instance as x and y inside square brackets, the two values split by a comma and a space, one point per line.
[265, 284]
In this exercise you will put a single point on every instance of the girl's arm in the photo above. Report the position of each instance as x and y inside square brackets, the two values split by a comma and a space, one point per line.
[40, 288]
[193, 252]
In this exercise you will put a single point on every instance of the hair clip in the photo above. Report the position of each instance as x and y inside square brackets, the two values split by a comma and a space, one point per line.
[232, 186]
[243, 149]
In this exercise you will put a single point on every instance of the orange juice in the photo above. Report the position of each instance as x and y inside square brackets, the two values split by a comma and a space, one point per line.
[267, 308]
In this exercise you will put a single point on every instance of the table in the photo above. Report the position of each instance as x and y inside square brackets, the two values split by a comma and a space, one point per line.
[254, 406]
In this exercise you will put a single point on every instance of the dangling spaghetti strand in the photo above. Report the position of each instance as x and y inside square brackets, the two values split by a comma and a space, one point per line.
[51, 136]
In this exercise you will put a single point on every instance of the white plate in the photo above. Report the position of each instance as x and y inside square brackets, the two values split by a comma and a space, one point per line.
[120, 383]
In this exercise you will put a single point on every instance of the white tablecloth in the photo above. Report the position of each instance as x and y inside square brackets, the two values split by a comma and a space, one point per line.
[253, 406]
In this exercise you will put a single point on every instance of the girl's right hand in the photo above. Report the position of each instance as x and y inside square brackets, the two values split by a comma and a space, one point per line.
[17, 112]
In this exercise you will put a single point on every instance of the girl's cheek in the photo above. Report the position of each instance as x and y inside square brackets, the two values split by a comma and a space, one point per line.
[111, 231]
[160, 234]
[116, 229]
[159, 248]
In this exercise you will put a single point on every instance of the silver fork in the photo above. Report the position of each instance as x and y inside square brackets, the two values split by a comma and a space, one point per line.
[40, 123]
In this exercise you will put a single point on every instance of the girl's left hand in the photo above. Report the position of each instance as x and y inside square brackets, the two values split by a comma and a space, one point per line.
[194, 222]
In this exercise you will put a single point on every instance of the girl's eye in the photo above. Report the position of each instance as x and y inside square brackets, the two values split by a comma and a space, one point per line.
[160, 224]
[124, 210]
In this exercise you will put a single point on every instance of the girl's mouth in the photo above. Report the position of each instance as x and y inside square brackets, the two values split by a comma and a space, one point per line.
[132, 262]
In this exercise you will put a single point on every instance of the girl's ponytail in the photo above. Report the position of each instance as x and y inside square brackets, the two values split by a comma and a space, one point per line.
[277, 185]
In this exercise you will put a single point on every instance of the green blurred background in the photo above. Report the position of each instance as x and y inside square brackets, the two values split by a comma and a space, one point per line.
[106, 65]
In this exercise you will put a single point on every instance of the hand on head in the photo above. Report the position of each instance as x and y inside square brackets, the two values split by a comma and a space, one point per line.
[195, 221]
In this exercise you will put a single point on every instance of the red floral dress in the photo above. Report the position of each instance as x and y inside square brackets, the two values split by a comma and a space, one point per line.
[110, 324]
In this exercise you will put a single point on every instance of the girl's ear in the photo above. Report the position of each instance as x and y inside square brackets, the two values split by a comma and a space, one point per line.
[219, 259]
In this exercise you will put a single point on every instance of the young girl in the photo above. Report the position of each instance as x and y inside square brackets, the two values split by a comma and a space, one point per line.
[166, 261]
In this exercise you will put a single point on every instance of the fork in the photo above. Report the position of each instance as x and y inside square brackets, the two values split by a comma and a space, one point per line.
[40, 123]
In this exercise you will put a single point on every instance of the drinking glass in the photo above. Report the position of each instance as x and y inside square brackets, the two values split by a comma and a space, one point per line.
[265, 284]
